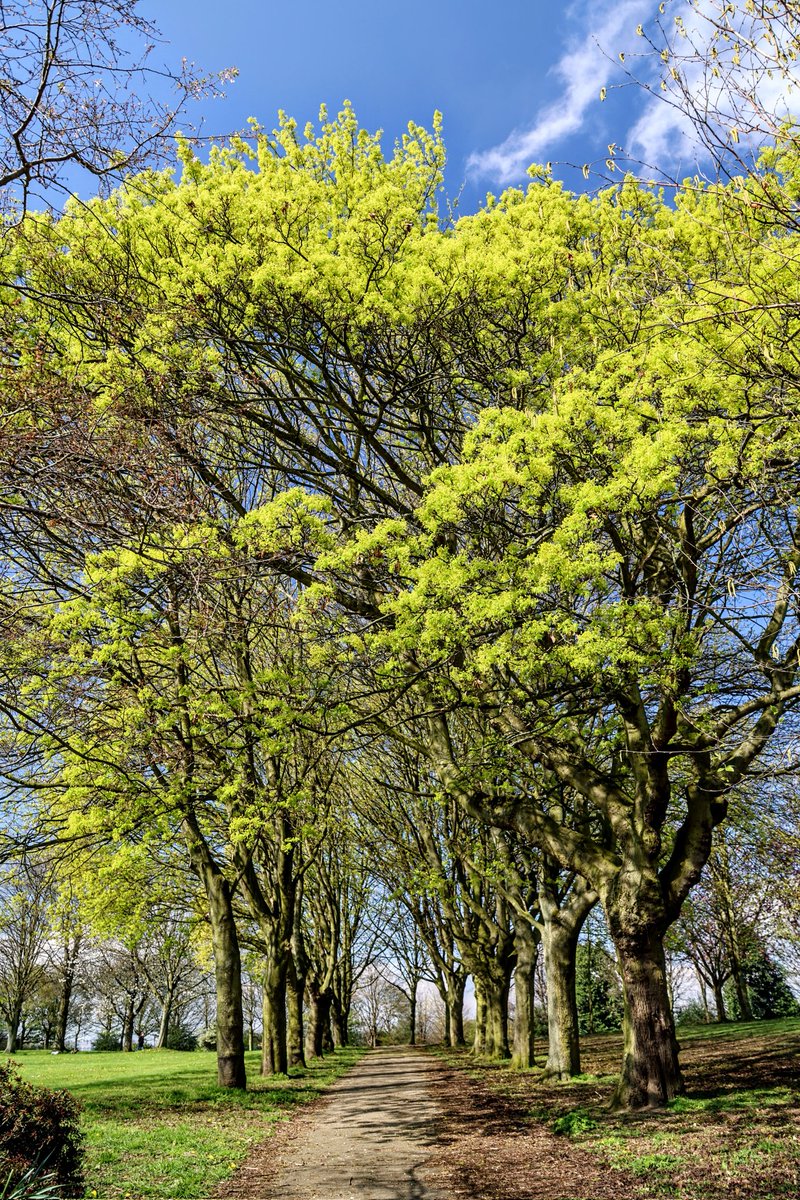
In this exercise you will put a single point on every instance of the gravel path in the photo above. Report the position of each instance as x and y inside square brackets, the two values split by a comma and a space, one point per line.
[370, 1140]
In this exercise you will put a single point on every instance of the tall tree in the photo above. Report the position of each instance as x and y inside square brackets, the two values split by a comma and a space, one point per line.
[82, 91]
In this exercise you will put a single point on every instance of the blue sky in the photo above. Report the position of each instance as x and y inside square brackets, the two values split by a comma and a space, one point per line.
[516, 81]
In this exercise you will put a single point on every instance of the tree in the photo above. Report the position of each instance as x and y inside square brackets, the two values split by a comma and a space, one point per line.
[769, 994]
[598, 988]
[81, 90]
[404, 961]
[602, 574]
[727, 71]
[121, 982]
[629, 552]
[24, 930]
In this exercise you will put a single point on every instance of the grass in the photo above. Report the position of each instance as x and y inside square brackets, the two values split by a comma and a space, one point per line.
[156, 1123]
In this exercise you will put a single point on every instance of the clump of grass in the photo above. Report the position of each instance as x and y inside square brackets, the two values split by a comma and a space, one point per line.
[574, 1123]
[733, 1101]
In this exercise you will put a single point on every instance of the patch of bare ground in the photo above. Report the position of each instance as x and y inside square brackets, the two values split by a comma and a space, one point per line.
[512, 1136]
[371, 1138]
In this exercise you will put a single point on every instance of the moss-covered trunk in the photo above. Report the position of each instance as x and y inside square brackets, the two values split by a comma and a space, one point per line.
[526, 946]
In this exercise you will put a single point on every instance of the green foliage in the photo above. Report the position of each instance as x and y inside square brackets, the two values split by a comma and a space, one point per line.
[573, 1123]
[770, 995]
[691, 1014]
[39, 1133]
[181, 1038]
[598, 990]
[107, 1041]
[35, 1184]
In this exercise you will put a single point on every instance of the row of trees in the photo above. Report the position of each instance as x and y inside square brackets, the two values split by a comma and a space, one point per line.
[330, 524]
[63, 983]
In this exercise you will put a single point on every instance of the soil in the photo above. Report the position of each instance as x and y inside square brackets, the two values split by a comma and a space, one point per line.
[423, 1125]
[737, 1135]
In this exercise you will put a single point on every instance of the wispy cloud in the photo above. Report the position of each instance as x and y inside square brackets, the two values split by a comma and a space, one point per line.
[607, 27]
[733, 91]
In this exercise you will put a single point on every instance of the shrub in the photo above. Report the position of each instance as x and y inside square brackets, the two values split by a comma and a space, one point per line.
[208, 1039]
[106, 1040]
[39, 1136]
[181, 1038]
[692, 1013]
[574, 1123]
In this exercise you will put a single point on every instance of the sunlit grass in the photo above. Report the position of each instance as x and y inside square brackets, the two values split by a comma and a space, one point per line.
[156, 1123]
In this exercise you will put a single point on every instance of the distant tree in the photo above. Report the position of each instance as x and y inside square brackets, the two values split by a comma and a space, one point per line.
[379, 1008]
[121, 983]
[81, 89]
[769, 994]
[406, 962]
[26, 893]
[598, 989]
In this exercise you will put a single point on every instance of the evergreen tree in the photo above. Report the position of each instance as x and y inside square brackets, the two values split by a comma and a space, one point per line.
[598, 990]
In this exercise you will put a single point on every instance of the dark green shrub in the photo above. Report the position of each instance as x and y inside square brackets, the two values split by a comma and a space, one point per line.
[181, 1038]
[770, 995]
[691, 1013]
[106, 1040]
[598, 990]
[39, 1134]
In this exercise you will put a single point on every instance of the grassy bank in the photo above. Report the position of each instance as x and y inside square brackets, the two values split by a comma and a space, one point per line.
[156, 1123]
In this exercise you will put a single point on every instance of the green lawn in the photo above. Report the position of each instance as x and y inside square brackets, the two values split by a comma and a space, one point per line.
[156, 1123]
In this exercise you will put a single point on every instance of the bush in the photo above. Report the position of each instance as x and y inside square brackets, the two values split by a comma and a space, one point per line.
[39, 1136]
[208, 1039]
[691, 1013]
[181, 1038]
[106, 1040]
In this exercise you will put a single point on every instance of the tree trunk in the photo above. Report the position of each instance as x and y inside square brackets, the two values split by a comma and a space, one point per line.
[454, 1002]
[65, 996]
[719, 1003]
[494, 996]
[412, 1014]
[163, 1025]
[563, 916]
[339, 1022]
[526, 952]
[479, 1039]
[739, 983]
[319, 1004]
[127, 1028]
[651, 1075]
[227, 962]
[274, 1047]
[294, 1014]
[327, 1031]
[560, 942]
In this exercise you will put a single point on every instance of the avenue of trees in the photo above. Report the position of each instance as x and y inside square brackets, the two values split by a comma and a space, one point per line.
[378, 586]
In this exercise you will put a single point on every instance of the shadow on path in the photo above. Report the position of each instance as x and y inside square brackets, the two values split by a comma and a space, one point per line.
[369, 1140]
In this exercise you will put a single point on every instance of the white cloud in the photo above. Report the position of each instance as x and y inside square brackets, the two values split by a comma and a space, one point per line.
[663, 136]
[735, 91]
[586, 67]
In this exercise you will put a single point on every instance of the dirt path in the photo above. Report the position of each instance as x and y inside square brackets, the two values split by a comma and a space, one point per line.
[369, 1140]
